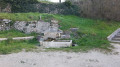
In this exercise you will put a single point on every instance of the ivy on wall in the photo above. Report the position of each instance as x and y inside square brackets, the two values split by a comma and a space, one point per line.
[61, 8]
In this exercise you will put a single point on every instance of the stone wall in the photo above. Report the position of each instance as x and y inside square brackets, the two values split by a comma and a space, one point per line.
[29, 26]
[5, 24]
[47, 8]
[32, 26]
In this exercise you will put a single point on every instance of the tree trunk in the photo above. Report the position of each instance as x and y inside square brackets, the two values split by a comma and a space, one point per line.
[59, 1]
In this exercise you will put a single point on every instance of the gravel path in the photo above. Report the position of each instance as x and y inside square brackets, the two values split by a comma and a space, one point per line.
[62, 59]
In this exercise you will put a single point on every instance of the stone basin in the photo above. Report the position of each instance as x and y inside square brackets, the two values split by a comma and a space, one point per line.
[56, 44]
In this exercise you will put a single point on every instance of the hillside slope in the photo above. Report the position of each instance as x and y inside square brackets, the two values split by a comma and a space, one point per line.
[91, 34]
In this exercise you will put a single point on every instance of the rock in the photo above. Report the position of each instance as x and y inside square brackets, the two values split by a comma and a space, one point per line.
[74, 29]
[6, 21]
[66, 35]
[32, 26]
[4, 24]
[74, 44]
[20, 25]
[54, 21]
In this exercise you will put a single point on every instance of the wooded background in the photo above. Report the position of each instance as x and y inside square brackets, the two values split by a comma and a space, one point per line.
[105, 9]
[100, 9]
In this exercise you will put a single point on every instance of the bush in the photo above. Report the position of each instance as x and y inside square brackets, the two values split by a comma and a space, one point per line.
[3, 4]
[62, 8]
[68, 3]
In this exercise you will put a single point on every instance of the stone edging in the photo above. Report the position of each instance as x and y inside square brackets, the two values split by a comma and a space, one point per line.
[18, 38]
[113, 34]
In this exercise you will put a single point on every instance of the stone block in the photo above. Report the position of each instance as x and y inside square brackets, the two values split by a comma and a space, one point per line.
[56, 44]
[74, 29]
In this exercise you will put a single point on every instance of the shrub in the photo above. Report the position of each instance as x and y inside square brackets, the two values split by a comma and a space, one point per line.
[68, 3]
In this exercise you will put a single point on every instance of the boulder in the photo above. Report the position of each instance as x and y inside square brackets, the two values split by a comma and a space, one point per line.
[4, 24]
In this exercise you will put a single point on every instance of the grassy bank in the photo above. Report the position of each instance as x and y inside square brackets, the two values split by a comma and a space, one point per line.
[14, 33]
[10, 45]
[91, 34]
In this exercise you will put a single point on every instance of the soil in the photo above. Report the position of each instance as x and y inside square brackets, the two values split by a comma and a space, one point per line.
[92, 58]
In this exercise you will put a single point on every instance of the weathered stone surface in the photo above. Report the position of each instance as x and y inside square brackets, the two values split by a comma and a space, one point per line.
[65, 35]
[53, 31]
[19, 25]
[74, 29]
[56, 44]
[32, 26]
[18, 38]
[4, 24]
[23, 38]
[6, 20]
[1, 39]
[51, 36]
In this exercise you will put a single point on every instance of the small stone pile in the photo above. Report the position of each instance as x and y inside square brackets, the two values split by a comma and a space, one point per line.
[5, 24]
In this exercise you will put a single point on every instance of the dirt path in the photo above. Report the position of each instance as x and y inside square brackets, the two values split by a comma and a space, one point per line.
[61, 59]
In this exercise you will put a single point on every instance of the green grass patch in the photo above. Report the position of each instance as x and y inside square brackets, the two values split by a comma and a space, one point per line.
[10, 45]
[91, 34]
[48, 2]
[14, 33]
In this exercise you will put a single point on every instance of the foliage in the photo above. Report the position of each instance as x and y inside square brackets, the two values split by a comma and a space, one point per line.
[68, 3]
[16, 4]
[20, 1]
[62, 8]
[2, 4]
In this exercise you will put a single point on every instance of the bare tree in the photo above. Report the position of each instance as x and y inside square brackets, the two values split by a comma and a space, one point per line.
[108, 9]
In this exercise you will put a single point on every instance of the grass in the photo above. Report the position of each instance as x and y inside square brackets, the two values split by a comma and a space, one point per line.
[24, 16]
[10, 46]
[14, 33]
[91, 34]
[48, 2]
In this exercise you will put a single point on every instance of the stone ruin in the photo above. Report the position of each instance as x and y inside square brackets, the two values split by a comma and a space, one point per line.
[51, 37]
[53, 31]
[32, 26]
[50, 30]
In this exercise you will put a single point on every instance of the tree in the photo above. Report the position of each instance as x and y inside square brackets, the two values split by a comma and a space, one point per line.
[59, 1]
[20, 1]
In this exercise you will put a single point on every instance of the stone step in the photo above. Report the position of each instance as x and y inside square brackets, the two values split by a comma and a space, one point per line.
[118, 33]
[116, 38]
[115, 41]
